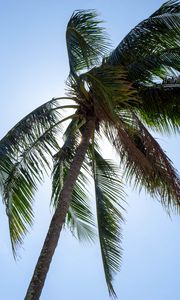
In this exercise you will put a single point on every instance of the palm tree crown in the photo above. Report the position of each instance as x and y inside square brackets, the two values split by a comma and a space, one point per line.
[122, 93]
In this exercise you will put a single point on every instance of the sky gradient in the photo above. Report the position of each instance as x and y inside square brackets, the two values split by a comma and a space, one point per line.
[34, 67]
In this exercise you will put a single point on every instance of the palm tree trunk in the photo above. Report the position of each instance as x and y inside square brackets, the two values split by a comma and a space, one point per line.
[51, 241]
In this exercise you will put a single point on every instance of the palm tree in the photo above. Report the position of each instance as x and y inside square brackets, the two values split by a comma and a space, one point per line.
[117, 95]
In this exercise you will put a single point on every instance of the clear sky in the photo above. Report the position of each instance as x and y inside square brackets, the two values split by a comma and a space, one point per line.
[33, 68]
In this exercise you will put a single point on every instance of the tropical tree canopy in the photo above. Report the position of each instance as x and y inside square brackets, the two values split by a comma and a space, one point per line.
[126, 92]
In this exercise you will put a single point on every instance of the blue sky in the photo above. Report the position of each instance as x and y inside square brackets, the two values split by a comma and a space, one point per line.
[34, 67]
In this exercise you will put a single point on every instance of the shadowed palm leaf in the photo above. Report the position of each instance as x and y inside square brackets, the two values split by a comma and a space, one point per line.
[144, 161]
[157, 111]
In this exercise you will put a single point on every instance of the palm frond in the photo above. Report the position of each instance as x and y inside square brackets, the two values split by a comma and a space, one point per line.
[171, 6]
[145, 163]
[24, 153]
[86, 40]
[62, 160]
[110, 90]
[162, 64]
[158, 33]
[108, 193]
[160, 107]
[79, 217]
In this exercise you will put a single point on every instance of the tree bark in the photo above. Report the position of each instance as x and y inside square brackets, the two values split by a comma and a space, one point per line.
[58, 219]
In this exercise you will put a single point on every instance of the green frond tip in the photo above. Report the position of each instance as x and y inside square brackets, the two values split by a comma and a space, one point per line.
[109, 198]
[80, 219]
[156, 34]
[171, 6]
[86, 40]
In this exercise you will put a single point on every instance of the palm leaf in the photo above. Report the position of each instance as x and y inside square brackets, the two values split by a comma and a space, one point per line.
[86, 40]
[144, 162]
[157, 33]
[108, 192]
[156, 65]
[110, 90]
[79, 217]
[24, 155]
[171, 6]
[160, 107]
